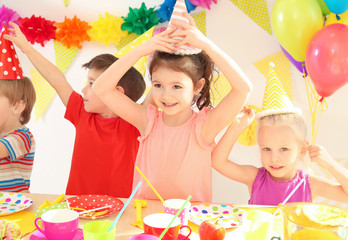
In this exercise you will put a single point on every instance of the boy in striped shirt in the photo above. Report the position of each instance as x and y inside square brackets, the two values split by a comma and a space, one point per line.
[17, 98]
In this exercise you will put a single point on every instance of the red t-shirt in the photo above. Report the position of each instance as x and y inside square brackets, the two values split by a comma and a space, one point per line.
[104, 153]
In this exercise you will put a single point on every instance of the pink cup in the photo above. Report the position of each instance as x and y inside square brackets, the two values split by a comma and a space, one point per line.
[58, 224]
[172, 206]
[155, 224]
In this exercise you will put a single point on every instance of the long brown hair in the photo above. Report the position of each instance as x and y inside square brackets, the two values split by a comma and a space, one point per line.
[195, 66]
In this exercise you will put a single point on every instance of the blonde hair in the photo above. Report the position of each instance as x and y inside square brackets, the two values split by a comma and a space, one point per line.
[20, 90]
[293, 120]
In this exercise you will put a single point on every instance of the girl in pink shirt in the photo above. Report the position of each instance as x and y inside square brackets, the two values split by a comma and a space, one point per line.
[176, 142]
[282, 142]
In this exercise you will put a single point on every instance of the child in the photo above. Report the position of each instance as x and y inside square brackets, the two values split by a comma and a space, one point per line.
[176, 143]
[282, 142]
[105, 145]
[17, 144]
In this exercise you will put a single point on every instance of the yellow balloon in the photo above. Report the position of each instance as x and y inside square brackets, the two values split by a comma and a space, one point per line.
[331, 19]
[294, 22]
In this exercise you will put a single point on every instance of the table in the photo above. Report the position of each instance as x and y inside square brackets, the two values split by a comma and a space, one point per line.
[124, 229]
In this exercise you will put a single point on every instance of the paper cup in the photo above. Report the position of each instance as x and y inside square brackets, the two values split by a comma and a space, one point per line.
[98, 230]
[172, 206]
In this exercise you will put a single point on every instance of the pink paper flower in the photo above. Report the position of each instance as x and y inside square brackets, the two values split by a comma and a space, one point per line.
[203, 3]
[8, 15]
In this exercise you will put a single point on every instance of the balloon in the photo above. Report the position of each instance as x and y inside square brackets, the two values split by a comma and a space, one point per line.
[294, 22]
[331, 19]
[327, 59]
[337, 6]
[299, 65]
[324, 9]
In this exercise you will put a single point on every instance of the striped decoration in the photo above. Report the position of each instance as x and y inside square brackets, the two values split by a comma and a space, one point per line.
[275, 97]
[178, 15]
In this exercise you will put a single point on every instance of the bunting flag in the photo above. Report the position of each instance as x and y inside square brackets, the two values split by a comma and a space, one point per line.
[201, 22]
[44, 92]
[282, 69]
[64, 55]
[141, 64]
[219, 89]
[66, 2]
[257, 10]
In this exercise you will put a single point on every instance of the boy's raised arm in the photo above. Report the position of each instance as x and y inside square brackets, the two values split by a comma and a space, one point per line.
[47, 69]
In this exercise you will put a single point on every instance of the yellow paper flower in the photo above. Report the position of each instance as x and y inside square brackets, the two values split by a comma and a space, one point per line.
[107, 30]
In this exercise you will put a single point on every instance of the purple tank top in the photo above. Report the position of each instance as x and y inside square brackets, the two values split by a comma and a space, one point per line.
[267, 191]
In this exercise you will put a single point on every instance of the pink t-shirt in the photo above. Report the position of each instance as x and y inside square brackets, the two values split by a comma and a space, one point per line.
[267, 191]
[174, 159]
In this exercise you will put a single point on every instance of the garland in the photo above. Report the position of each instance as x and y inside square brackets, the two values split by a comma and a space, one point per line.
[108, 29]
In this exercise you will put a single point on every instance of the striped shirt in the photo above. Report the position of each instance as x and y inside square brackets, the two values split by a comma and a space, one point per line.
[15, 169]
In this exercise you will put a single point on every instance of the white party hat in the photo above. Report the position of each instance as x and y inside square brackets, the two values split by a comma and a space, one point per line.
[178, 15]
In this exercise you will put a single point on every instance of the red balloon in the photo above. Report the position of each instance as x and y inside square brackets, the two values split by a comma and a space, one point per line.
[327, 59]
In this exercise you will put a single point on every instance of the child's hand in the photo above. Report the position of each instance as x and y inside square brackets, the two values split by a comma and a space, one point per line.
[190, 33]
[18, 37]
[161, 42]
[319, 154]
[245, 117]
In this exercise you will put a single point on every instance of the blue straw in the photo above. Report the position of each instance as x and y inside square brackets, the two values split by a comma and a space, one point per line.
[124, 206]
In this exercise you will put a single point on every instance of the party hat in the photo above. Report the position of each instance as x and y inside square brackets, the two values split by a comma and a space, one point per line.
[275, 100]
[178, 15]
[10, 68]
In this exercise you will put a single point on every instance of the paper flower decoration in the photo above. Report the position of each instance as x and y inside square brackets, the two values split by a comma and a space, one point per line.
[8, 15]
[38, 29]
[9, 230]
[166, 9]
[107, 30]
[139, 20]
[203, 3]
[72, 32]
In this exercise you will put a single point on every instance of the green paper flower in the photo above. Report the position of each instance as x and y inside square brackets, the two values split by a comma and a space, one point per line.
[139, 20]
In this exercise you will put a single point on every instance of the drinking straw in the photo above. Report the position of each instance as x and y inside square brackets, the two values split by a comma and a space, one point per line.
[176, 215]
[153, 189]
[289, 196]
[124, 206]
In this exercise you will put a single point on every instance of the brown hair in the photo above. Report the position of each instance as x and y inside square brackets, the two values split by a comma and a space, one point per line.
[20, 90]
[132, 81]
[195, 66]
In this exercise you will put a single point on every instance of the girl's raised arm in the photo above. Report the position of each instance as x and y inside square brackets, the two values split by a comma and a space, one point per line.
[333, 190]
[233, 102]
[105, 85]
[240, 173]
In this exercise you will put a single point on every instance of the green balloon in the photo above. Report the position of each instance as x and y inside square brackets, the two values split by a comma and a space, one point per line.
[324, 9]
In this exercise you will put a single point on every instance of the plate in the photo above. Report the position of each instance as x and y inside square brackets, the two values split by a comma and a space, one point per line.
[39, 236]
[13, 202]
[88, 202]
[231, 218]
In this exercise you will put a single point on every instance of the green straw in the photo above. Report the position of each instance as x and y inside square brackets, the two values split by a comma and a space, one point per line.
[176, 215]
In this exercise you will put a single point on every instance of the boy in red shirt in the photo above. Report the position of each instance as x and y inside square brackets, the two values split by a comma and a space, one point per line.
[105, 145]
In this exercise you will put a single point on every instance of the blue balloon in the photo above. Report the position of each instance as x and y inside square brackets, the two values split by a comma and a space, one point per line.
[337, 6]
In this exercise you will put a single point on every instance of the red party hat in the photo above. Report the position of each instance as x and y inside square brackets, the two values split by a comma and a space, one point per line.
[178, 15]
[10, 68]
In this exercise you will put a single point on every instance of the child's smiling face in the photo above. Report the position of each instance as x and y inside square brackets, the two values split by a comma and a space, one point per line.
[280, 151]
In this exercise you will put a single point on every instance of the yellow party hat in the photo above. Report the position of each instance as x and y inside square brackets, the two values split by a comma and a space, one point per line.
[178, 15]
[275, 100]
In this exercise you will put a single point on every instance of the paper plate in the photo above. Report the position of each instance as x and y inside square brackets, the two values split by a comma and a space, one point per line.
[202, 212]
[88, 202]
[13, 202]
